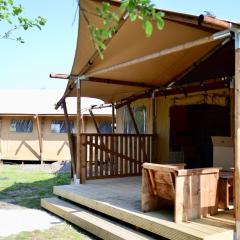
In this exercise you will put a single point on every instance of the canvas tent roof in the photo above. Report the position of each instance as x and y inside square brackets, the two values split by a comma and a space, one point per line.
[30, 102]
[129, 43]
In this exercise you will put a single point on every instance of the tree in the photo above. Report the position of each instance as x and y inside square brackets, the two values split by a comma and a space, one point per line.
[12, 15]
[143, 10]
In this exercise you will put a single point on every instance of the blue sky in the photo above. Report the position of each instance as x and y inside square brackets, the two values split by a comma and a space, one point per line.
[52, 50]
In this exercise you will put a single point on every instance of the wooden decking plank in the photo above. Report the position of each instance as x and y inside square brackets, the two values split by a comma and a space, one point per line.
[120, 198]
[99, 226]
[162, 228]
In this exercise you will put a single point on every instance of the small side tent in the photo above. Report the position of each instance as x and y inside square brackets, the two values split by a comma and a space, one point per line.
[32, 130]
[172, 93]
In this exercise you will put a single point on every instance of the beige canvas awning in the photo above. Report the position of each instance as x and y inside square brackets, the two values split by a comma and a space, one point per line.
[130, 43]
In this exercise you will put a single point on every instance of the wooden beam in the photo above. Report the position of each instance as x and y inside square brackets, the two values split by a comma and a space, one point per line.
[70, 142]
[99, 132]
[125, 101]
[214, 22]
[60, 75]
[133, 119]
[40, 141]
[94, 121]
[104, 80]
[154, 128]
[176, 90]
[101, 106]
[237, 133]
[121, 82]
[154, 115]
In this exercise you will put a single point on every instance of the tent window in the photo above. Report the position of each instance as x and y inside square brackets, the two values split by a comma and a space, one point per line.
[105, 126]
[140, 115]
[21, 126]
[58, 126]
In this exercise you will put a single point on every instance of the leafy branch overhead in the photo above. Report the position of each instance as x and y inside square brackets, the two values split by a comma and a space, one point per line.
[12, 15]
[142, 10]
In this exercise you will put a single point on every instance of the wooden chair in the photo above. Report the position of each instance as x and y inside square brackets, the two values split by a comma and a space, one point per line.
[192, 192]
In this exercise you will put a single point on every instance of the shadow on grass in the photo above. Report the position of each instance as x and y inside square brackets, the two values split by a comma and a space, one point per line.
[28, 190]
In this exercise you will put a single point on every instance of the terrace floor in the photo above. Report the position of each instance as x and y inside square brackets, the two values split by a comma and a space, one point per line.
[120, 198]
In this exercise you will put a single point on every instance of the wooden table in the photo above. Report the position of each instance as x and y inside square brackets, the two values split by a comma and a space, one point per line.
[225, 189]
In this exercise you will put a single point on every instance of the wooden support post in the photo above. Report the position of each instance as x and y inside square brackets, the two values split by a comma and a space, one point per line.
[237, 133]
[94, 121]
[231, 94]
[80, 163]
[70, 142]
[154, 128]
[132, 118]
[113, 118]
[141, 143]
[99, 132]
[39, 131]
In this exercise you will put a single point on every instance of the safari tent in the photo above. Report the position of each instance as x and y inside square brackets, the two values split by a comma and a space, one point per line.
[176, 97]
[32, 130]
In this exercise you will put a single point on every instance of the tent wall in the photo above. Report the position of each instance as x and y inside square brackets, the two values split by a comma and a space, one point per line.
[55, 145]
[18, 146]
[25, 146]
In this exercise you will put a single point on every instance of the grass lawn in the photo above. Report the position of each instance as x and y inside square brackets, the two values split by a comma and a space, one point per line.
[25, 187]
[59, 232]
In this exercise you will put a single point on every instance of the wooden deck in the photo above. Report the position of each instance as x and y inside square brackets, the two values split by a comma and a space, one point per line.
[120, 199]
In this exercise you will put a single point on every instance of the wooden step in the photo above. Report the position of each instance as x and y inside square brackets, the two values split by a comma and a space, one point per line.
[97, 225]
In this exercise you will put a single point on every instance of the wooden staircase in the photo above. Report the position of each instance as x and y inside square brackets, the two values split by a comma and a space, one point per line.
[100, 226]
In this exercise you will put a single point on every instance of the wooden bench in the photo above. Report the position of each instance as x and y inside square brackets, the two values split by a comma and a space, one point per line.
[191, 192]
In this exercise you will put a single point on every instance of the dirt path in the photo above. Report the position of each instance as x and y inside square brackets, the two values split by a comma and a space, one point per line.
[14, 220]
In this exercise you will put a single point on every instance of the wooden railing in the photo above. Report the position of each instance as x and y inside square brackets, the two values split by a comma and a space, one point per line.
[115, 155]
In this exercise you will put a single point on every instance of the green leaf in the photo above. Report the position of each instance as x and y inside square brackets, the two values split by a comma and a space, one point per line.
[147, 25]
[17, 10]
[160, 24]
[124, 5]
[102, 46]
[144, 1]
[105, 6]
[106, 22]
[133, 16]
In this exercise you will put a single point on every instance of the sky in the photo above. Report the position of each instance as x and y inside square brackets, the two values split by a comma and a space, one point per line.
[28, 65]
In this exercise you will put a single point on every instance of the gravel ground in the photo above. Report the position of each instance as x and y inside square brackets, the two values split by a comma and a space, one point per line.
[56, 167]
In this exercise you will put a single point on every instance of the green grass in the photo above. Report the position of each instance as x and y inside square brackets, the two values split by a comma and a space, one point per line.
[59, 232]
[27, 187]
